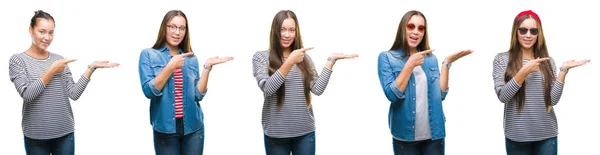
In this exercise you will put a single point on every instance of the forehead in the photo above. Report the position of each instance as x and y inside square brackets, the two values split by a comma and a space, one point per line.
[177, 20]
[529, 23]
[288, 22]
[46, 24]
[417, 20]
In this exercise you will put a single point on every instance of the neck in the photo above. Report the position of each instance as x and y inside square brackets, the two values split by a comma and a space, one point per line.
[36, 52]
[286, 52]
[412, 50]
[527, 53]
[173, 50]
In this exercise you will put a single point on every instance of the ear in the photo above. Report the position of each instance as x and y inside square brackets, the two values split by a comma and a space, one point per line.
[30, 30]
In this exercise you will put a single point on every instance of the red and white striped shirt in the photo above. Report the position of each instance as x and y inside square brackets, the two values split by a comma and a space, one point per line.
[178, 93]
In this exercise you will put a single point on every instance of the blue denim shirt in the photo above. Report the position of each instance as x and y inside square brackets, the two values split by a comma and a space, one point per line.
[162, 102]
[401, 117]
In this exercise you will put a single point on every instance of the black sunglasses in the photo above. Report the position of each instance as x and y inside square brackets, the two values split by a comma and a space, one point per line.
[533, 31]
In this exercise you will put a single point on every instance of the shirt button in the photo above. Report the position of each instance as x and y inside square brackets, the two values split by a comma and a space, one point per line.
[414, 99]
[413, 112]
[414, 84]
[413, 126]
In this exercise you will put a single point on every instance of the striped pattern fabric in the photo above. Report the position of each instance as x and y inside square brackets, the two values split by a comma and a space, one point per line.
[178, 93]
[294, 119]
[47, 112]
[533, 123]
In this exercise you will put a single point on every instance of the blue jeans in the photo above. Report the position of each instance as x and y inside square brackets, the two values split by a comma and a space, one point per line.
[302, 145]
[425, 147]
[64, 145]
[177, 143]
[543, 147]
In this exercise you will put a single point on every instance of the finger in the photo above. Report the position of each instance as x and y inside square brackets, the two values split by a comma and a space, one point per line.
[541, 59]
[69, 61]
[427, 51]
[306, 49]
[187, 54]
[351, 55]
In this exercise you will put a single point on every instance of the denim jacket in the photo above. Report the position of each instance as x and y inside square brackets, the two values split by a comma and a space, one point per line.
[401, 117]
[162, 102]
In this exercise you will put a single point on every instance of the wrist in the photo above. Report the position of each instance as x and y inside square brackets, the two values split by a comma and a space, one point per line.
[331, 59]
[91, 67]
[207, 66]
[564, 69]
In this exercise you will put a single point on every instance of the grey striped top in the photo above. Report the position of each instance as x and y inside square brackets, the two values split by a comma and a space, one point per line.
[46, 111]
[294, 119]
[533, 123]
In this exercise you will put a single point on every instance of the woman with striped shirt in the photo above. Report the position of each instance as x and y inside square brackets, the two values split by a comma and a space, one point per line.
[44, 81]
[525, 81]
[287, 76]
[170, 78]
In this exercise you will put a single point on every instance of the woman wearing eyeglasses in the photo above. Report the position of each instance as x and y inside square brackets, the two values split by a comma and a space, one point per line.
[170, 78]
[525, 81]
[411, 80]
[287, 76]
[44, 81]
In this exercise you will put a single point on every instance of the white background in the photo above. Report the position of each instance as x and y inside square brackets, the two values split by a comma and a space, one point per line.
[112, 116]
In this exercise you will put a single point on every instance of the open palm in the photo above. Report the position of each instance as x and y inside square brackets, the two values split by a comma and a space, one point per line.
[573, 63]
[217, 60]
[104, 64]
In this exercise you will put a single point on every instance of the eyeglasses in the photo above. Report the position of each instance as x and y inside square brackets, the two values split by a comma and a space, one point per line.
[173, 28]
[523, 31]
[411, 27]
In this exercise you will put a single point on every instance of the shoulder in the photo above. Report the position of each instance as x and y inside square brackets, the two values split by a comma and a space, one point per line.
[149, 50]
[501, 57]
[261, 55]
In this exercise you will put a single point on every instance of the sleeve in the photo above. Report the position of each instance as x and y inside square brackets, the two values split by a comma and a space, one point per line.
[387, 79]
[505, 91]
[28, 88]
[147, 76]
[557, 86]
[267, 83]
[319, 82]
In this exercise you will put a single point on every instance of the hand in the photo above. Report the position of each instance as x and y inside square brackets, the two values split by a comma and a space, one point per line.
[216, 60]
[417, 58]
[177, 61]
[338, 56]
[455, 56]
[572, 63]
[103, 64]
[534, 65]
[59, 65]
[297, 56]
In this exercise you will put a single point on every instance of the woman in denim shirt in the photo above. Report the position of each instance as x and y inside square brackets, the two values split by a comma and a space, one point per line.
[169, 75]
[525, 81]
[411, 81]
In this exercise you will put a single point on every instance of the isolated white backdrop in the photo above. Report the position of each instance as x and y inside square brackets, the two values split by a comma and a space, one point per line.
[112, 116]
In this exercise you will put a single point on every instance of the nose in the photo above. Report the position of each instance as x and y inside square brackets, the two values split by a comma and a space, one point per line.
[286, 33]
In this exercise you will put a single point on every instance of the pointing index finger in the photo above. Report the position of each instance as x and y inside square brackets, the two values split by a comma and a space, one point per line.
[427, 51]
[542, 59]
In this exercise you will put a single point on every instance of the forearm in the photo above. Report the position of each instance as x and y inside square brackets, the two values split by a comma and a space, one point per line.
[161, 79]
[329, 65]
[285, 68]
[47, 76]
[561, 77]
[444, 78]
[88, 73]
[203, 81]
[402, 79]
[520, 77]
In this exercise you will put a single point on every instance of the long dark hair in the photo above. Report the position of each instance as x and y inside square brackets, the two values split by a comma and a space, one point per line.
[400, 42]
[515, 62]
[161, 39]
[276, 55]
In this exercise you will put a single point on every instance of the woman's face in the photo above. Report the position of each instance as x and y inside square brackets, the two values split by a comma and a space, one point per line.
[42, 33]
[288, 32]
[415, 30]
[176, 29]
[527, 33]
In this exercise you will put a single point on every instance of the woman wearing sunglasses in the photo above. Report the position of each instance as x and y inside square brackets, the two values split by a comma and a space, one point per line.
[170, 78]
[411, 80]
[525, 81]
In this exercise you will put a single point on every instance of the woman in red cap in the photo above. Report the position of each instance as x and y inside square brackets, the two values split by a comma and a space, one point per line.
[526, 82]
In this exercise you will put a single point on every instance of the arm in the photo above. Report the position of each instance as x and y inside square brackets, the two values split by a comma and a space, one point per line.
[75, 89]
[267, 83]
[319, 83]
[387, 79]
[505, 91]
[27, 88]
[150, 85]
[558, 85]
